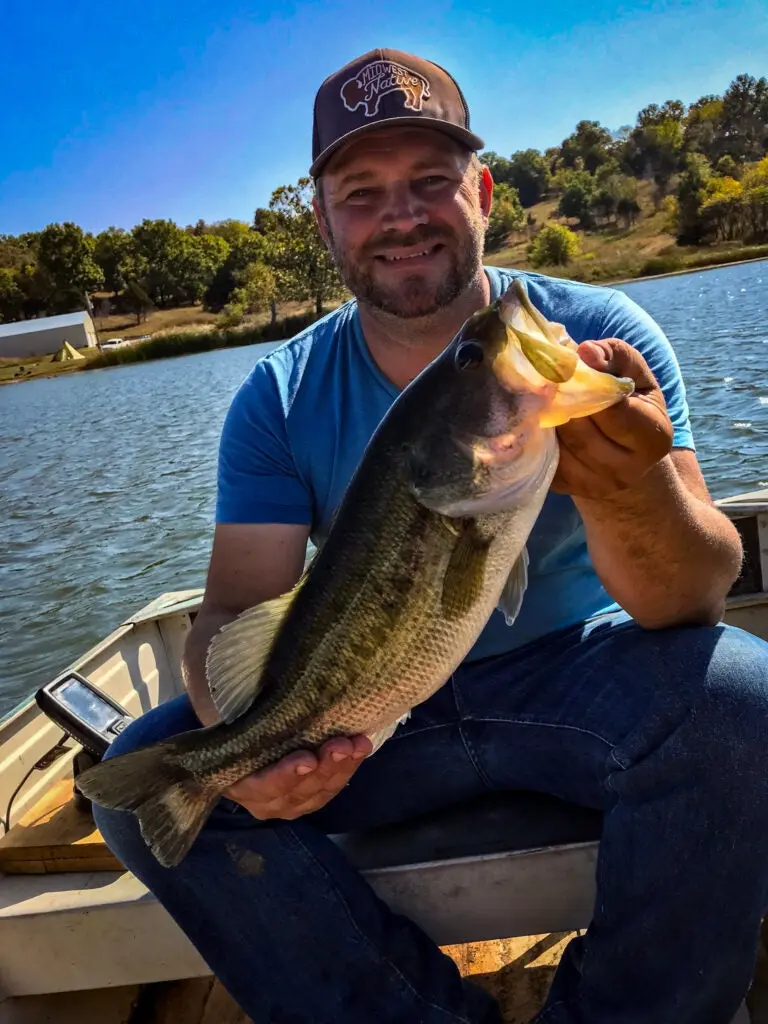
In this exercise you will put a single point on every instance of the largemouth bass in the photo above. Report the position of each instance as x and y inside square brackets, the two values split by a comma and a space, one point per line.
[429, 538]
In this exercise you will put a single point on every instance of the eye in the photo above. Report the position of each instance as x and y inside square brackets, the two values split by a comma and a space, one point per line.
[469, 355]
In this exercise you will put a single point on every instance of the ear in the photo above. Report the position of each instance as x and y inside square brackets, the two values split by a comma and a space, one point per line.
[485, 189]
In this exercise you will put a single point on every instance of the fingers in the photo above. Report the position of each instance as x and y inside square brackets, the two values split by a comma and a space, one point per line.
[301, 782]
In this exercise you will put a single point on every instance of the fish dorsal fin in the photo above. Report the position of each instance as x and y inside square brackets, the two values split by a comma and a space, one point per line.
[514, 589]
[465, 575]
[238, 653]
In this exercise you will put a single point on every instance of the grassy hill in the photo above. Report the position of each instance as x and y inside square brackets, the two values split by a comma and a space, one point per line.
[612, 253]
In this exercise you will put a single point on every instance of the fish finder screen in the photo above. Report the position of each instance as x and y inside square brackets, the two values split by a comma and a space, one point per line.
[85, 704]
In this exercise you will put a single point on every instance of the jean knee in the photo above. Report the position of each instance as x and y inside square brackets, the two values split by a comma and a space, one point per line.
[730, 709]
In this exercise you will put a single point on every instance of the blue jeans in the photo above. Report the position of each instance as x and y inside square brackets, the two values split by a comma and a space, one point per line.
[665, 731]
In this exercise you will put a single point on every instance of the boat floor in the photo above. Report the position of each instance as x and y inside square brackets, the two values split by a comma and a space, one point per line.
[518, 972]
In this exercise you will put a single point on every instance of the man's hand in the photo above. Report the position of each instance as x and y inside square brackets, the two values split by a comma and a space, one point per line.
[614, 449]
[301, 782]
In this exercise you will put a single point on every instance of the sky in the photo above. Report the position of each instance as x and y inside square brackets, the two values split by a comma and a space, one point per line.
[110, 113]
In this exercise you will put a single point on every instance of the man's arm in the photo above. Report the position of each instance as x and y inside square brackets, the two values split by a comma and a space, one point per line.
[660, 547]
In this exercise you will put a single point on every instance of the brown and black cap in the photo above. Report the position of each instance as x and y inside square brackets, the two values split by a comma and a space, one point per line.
[385, 87]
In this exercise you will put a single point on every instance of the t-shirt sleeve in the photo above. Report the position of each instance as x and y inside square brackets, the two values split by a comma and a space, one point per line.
[258, 481]
[624, 319]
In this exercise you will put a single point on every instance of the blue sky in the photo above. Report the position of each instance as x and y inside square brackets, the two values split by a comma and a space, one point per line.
[189, 108]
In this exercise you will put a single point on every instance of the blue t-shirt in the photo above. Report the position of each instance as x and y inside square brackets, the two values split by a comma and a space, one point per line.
[299, 423]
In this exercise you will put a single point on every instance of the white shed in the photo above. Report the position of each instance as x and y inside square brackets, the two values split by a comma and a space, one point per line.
[46, 335]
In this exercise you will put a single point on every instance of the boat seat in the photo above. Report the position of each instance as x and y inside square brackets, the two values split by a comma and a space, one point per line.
[504, 865]
[514, 863]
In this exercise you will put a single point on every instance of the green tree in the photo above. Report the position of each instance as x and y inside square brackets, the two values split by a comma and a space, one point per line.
[195, 265]
[507, 215]
[66, 254]
[159, 244]
[555, 245]
[232, 231]
[744, 120]
[298, 253]
[703, 131]
[12, 298]
[690, 193]
[256, 287]
[529, 174]
[576, 200]
[137, 300]
[113, 252]
[499, 166]
[590, 142]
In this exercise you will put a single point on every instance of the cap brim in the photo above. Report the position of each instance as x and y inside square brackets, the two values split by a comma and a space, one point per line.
[462, 135]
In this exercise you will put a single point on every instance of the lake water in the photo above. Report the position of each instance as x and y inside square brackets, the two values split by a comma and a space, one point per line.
[108, 477]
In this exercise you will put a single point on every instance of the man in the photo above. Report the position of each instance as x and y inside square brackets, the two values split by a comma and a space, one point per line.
[616, 688]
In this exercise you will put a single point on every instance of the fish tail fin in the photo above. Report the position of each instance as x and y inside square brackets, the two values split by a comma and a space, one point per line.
[171, 804]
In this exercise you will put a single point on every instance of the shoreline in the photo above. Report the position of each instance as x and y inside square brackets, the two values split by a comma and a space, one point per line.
[684, 270]
[66, 370]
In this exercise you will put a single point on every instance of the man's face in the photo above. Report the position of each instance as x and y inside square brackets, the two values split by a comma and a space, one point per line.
[404, 212]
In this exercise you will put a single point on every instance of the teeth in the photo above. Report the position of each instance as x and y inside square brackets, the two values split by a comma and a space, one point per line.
[411, 257]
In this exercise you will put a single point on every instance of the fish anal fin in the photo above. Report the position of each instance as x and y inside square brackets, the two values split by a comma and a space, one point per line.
[382, 735]
[465, 574]
[514, 589]
[238, 653]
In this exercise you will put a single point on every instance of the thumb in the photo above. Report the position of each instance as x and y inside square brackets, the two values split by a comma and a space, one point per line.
[611, 355]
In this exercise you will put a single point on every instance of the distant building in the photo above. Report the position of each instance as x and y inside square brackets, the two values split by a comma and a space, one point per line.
[45, 335]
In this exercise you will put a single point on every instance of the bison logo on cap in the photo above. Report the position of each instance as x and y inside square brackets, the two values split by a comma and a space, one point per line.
[382, 77]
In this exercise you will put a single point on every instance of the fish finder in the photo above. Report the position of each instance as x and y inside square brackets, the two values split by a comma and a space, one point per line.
[83, 711]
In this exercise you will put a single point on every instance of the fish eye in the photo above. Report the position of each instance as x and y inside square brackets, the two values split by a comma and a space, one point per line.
[468, 355]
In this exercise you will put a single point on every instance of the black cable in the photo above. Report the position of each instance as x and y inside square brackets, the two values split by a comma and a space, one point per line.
[39, 763]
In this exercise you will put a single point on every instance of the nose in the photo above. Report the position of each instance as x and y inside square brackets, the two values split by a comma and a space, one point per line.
[403, 208]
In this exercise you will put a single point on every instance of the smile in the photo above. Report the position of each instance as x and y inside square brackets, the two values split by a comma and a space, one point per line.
[411, 255]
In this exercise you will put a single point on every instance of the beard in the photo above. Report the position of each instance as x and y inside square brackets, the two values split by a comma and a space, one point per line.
[415, 295]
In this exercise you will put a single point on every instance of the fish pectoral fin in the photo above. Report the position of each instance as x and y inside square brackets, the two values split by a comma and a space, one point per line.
[514, 589]
[238, 653]
[465, 574]
[587, 392]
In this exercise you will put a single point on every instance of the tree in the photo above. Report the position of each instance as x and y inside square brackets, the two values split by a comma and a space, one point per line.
[112, 252]
[196, 264]
[591, 142]
[703, 133]
[529, 174]
[232, 231]
[137, 300]
[159, 244]
[555, 245]
[576, 200]
[690, 192]
[256, 287]
[507, 215]
[178, 266]
[11, 296]
[744, 120]
[499, 166]
[66, 254]
[298, 253]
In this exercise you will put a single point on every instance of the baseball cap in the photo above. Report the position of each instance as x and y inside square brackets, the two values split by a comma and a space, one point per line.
[382, 88]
